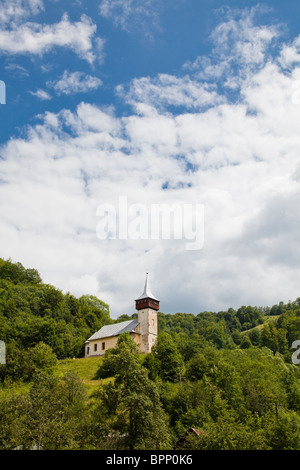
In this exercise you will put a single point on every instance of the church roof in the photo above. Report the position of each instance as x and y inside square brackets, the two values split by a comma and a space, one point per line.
[147, 291]
[115, 329]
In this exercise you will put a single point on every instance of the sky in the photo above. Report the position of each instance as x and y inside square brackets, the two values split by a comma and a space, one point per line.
[114, 107]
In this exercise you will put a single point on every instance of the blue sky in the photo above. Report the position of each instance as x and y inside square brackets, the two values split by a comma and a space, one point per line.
[182, 101]
[139, 39]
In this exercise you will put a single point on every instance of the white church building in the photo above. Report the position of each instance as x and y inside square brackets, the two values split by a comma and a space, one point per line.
[143, 329]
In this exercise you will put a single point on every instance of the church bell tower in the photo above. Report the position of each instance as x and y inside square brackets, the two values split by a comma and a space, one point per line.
[147, 306]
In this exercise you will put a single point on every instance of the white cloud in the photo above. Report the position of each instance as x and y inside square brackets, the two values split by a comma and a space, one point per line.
[17, 69]
[167, 90]
[241, 39]
[41, 94]
[37, 39]
[75, 82]
[17, 10]
[132, 14]
[290, 54]
[240, 47]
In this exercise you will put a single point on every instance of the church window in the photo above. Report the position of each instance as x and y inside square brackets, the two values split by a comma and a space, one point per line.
[95, 347]
[103, 345]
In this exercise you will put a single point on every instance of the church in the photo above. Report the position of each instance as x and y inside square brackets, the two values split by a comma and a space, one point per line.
[143, 329]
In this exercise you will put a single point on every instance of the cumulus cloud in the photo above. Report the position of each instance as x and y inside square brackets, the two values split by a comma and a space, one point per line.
[240, 46]
[75, 82]
[37, 39]
[167, 91]
[17, 10]
[290, 54]
[132, 14]
[242, 38]
[41, 94]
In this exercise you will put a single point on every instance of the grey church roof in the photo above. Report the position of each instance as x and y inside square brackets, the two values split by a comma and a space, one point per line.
[115, 329]
[147, 291]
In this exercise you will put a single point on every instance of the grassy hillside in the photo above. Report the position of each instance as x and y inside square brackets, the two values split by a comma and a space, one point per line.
[85, 368]
[267, 319]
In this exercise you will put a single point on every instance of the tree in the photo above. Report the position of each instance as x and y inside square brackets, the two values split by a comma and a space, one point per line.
[15, 272]
[131, 404]
[254, 336]
[42, 358]
[171, 361]
[245, 342]
[47, 417]
[269, 337]
[94, 306]
[283, 342]
[216, 334]
[249, 317]
[152, 364]
[283, 432]
[201, 363]
[14, 410]
[25, 363]
[55, 412]
[228, 435]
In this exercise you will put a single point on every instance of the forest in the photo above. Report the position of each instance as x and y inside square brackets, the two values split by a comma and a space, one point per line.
[227, 380]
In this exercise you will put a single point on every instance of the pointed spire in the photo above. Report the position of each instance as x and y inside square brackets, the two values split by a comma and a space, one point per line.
[147, 291]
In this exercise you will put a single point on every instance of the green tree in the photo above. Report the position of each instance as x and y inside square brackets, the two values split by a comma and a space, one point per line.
[14, 411]
[228, 435]
[55, 413]
[170, 360]
[291, 382]
[254, 336]
[201, 363]
[249, 317]
[42, 358]
[216, 333]
[284, 431]
[225, 376]
[283, 345]
[24, 363]
[48, 417]
[245, 342]
[269, 337]
[15, 272]
[94, 311]
[131, 404]
[152, 364]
